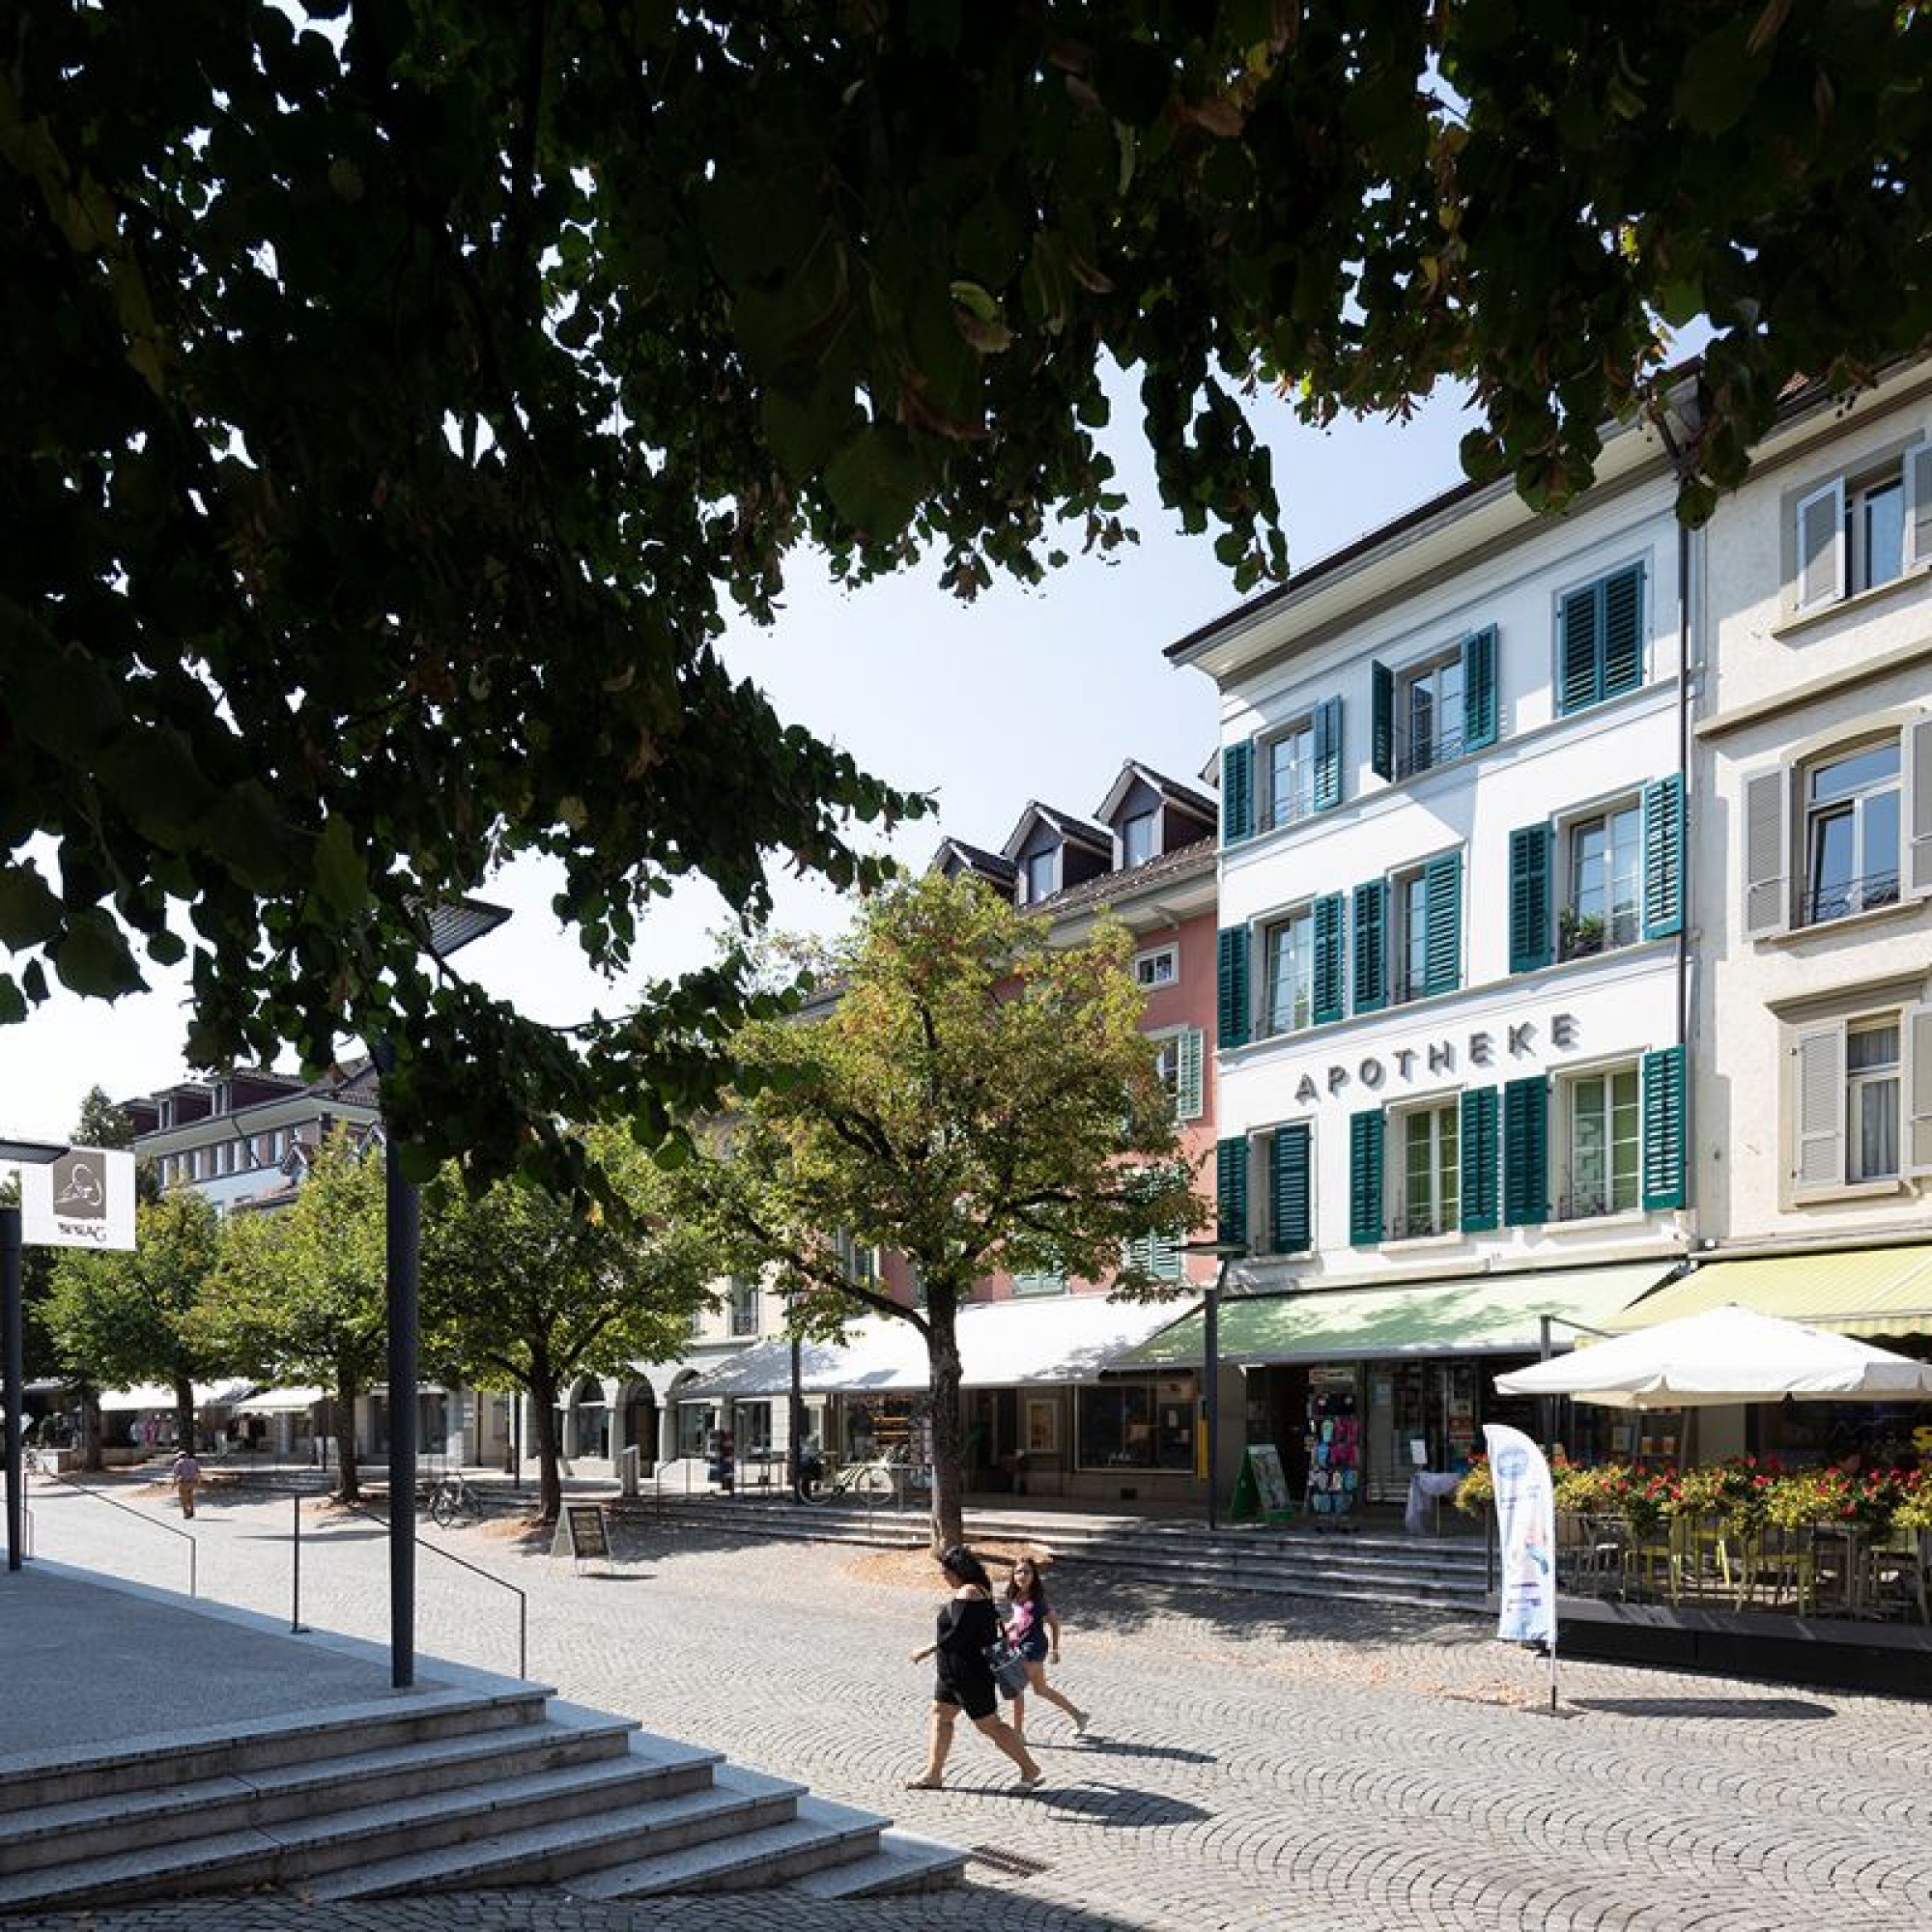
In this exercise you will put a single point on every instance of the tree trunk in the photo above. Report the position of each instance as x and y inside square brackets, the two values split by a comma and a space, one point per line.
[543, 1419]
[184, 1415]
[948, 1476]
[348, 1468]
[91, 1457]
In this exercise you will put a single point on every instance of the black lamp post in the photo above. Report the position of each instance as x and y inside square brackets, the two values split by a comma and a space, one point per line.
[1226, 1253]
[28, 1153]
[450, 925]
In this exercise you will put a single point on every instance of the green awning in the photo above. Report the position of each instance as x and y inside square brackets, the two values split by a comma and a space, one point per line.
[1475, 1315]
[1849, 1290]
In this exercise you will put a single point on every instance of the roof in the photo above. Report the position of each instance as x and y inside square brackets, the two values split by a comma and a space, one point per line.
[1849, 1290]
[1075, 831]
[1186, 861]
[1473, 1315]
[1171, 790]
[995, 865]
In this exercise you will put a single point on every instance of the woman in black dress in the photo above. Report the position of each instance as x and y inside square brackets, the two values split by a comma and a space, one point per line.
[962, 1678]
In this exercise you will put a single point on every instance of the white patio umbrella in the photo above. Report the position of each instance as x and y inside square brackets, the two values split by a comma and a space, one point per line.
[1726, 1354]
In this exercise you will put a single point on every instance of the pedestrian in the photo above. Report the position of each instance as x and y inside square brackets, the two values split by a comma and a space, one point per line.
[962, 1679]
[1033, 1631]
[187, 1475]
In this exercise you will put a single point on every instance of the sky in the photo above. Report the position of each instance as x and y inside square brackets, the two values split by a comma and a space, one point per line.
[1022, 695]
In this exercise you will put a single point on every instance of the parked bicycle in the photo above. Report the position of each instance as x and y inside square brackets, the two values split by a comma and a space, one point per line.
[452, 1501]
[872, 1481]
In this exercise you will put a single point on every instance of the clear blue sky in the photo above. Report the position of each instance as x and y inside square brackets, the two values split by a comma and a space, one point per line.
[1021, 694]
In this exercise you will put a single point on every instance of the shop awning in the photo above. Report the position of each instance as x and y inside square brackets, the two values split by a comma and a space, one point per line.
[1849, 1290]
[159, 1396]
[1476, 1314]
[1019, 1344]
[282, 1401]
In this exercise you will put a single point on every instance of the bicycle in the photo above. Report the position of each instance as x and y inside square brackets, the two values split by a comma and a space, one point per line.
[452, 1500]
[871, 1481]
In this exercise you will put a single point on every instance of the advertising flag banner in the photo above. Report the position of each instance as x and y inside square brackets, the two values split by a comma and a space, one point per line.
[84, 1200]
[1526, 1529]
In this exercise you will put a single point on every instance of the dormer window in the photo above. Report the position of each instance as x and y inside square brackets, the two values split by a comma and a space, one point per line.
[1137, 836]
[1040, 870]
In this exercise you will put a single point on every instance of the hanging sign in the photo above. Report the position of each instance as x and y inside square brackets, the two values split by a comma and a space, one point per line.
[84, 1200]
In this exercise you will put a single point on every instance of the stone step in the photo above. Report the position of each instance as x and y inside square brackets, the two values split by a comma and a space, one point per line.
[103, 1826]
[735, 1807]
[142, 1765]
[902, 1864]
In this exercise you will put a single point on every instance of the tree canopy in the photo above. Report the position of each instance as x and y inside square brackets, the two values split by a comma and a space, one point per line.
[976, 1099]
[397, 399]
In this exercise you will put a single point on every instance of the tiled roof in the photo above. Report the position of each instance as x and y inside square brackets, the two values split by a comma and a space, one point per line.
[1189, 862]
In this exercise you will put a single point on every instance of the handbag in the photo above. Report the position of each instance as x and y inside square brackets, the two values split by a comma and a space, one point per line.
[1008, 1667]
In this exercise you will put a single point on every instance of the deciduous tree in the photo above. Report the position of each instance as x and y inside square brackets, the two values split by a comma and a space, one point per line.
[968, 1094]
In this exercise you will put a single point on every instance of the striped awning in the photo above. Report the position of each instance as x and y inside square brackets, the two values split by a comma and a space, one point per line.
[1850, 1290]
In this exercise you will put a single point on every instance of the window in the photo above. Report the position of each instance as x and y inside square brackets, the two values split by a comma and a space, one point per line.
[1178, 1061]
[1408, 900]
[1851, 833]
[1137, 838]
[1138, 1425]
[1860, 1104]
[694, 1325]
[1862, 530]
[860, 1265]
[1601, 1127]
[1041, 1281]
[1289, 951]
[1429, 715]
[743, 1306]
[1851, 824]
[1160, 967]
[1430, 1200]
[1603, 895]
[1600, 639]
[1287, 775]
[1040, 870]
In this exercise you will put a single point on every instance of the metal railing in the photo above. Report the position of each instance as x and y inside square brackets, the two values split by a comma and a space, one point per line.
[126, 1509]
[1850, 896]
[1425, 751]
[423, 1542]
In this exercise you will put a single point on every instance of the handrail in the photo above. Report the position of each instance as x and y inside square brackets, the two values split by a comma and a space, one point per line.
[435, 1549]
[127, 1509]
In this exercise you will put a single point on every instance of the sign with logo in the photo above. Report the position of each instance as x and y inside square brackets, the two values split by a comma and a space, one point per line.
[1526, 1530]
[84, 1200]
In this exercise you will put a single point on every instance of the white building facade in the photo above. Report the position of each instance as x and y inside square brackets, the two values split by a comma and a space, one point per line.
[1453, 1071]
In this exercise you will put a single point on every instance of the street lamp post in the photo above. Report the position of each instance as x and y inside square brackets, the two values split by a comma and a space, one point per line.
[450, 926]
[14, 1381]
[1227, 1253]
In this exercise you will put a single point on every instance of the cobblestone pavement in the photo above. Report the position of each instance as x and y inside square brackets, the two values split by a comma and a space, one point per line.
[1252, 1764]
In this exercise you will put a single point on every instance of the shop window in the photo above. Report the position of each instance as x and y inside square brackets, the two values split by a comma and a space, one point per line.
[1602, 1144]
[696, 1420]
[1137, 1425]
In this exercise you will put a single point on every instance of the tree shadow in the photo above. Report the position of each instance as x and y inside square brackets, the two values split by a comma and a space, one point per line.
[1763, 1710]
[1091, 1746]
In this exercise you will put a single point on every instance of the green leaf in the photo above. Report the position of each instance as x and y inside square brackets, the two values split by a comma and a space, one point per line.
[341, 877]
[1718, 79]
[93, 959]
[12, 1002]
[29, 912]
[876, 482]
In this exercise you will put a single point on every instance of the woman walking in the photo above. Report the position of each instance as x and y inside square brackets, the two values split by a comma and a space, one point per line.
[962, 1678]
[1033, 1631]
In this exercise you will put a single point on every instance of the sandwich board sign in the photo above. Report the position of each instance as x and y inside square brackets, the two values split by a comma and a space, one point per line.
[1261, 1490]
[583, 1531]
[84, 1198]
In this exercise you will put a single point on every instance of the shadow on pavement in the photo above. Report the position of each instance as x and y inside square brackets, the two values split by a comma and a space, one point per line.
[1118, 1806]
[1782, 1709]
[1098, 1747]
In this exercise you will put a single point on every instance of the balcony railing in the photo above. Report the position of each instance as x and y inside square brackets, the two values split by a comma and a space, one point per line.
[1839, 900]
[1415, 1224]
[1421, 754]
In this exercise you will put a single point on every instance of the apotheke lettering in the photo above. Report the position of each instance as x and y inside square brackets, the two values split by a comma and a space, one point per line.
[1438, 1057]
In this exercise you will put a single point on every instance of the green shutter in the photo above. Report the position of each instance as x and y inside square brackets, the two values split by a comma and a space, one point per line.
[1326, 1006]
[1526, 1151]
[1664, 858]
[1623, 631]
[1231, 1189]
[1237, 792]
[1664, 1135]
[1479, 1160]
[1288, 1191]
[1328, 754]
[1381, 722]
[1365, 1178]
[1372, 947]
[1187, 1080]
[1479, 690]
[1530, 852]
[1580, 657]
[1442, 923]
[1231, 1010]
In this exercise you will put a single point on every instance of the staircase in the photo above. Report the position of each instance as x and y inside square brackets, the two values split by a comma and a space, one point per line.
[427, 1791]
[1370, 1565]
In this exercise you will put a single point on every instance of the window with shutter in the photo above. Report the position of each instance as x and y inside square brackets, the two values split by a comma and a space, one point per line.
[1479, 690]
[1290, 1229]
[1328, 1002]
[1919, 807]
[1231, 1189]
[1918, 1087]
[1231, 1005]
[1289, 775]
[1599, 633]
[1382, 720]
[1041, 1281]
[1919, 508]
[1765, 853]
[1821, 546]
[1365, 1178]
[1328, 754]
[1371, 946]
[1526, 1152]
[1529, 850]
[1429, 1145]
[1623, 631]
[1479, 1160]
[1188, 1078]
[1664, 1145]
[1819, 1108]
[1236, 793]
[1443, 882]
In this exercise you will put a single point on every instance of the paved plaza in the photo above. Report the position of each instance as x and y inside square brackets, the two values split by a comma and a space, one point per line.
[1252, 1763]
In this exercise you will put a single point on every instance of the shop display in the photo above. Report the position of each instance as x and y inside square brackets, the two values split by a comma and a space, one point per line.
[1334, 1454]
